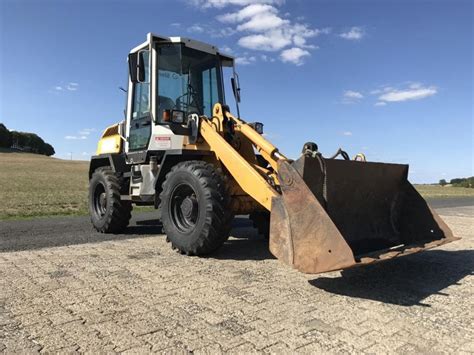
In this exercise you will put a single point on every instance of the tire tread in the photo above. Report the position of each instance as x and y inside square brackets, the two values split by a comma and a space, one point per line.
[121, 214]
[218, 221]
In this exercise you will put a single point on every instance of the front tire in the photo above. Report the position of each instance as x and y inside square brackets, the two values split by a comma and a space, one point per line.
[109, 214]
[195, 208]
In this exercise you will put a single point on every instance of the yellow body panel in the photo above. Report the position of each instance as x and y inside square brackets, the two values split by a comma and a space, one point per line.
[111, 141]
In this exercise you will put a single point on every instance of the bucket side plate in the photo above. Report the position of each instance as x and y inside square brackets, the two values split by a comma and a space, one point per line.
[301, 232]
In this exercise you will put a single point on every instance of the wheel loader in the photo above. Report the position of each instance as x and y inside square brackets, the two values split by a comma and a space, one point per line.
[181, 150]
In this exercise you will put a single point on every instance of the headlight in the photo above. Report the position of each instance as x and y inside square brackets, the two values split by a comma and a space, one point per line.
[177, 116]
[257, 126]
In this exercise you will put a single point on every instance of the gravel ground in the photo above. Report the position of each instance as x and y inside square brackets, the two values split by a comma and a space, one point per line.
[65, 288]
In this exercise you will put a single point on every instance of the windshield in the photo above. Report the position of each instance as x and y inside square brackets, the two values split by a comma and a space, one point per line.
[188, 80]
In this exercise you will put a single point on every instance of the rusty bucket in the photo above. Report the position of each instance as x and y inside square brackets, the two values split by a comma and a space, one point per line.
[335, 214]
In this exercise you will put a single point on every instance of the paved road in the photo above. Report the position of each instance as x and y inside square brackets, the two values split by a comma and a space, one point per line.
[64, 287]
[460, 201]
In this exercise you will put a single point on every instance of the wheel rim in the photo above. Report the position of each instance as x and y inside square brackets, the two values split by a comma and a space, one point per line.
[184, 208]
[100, 200]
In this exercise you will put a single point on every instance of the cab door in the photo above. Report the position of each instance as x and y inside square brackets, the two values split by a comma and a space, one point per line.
[140, 116]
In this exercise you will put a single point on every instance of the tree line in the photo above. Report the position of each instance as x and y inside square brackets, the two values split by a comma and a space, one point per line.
[459, 182]
[24, 141]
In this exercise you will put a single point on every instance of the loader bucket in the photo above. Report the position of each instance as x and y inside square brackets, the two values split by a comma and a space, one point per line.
[335, 214]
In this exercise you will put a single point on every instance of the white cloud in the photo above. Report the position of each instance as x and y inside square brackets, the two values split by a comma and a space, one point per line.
[263, 22]
[347, 133]
[86, 131]
[226, 49]
[355, 33]
[263, 28]
[398, 93]
[351, 97]
[246, 13]
[81, 135]
[270, 41]
[68, 87]
[196, 28]
[280, 37]
[75, 137]
[212, 31]
[412, 93]
[72, 86]
[355, 95]
[222, 32]
[294, 55]
[257, 17]
[245, 60]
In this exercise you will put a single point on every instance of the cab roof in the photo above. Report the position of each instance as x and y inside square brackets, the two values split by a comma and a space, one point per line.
[191, 43]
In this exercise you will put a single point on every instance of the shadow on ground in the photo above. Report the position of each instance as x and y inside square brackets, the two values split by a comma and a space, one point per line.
[245, 243]
[405, 281]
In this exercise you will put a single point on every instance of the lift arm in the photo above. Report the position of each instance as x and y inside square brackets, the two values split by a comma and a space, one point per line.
[241, 170]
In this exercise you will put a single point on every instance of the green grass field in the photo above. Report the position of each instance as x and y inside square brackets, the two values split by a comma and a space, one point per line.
[35, 185]
[437, 191]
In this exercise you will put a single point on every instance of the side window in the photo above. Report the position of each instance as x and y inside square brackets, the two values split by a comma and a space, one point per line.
[140, 125]
[209, 89]
[141, 97]
[171, 82]
[170, 88]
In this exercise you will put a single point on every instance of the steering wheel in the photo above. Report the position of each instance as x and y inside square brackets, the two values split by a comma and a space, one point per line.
[193, 102]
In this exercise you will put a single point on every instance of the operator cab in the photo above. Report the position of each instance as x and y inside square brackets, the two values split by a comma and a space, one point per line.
[171, 79]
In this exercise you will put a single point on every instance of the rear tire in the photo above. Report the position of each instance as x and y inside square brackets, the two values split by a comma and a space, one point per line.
[109, 214]
[195, 208]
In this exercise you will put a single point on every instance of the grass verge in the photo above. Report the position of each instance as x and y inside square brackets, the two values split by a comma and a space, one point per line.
[437, 191]
[33, 186]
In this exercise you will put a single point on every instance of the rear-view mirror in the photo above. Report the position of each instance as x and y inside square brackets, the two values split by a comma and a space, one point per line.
[142, 58]
[137, 63]
[132, 66]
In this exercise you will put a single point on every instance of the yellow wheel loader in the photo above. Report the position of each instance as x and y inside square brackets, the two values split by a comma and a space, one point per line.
[183, 151]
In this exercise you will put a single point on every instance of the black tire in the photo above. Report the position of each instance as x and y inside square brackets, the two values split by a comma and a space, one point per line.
[261, 221]
[109, 214]
[195, 208]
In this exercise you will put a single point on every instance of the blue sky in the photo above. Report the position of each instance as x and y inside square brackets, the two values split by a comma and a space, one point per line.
[391, 79]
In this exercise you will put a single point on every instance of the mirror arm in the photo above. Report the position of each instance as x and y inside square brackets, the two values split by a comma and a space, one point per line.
[236, 90]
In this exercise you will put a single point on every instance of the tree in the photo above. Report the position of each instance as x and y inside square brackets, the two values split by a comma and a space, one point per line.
[48, 150]
[5, 137]
[18, 139]
[30, 142]
[443, 182]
